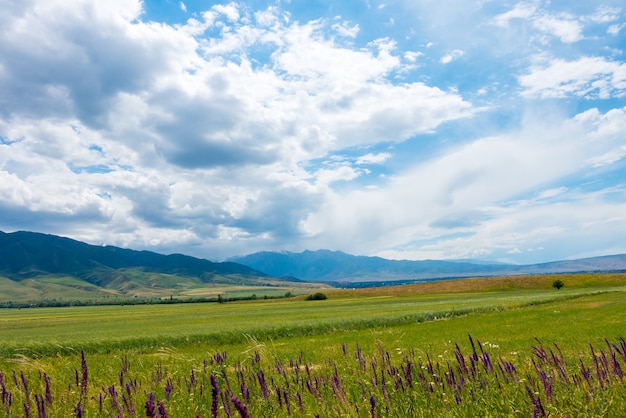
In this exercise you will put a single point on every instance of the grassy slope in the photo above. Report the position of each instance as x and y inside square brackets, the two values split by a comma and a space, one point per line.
[133, 283]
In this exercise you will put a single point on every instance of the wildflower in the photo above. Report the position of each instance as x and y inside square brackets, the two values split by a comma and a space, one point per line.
[25, 384]
[115, 402]
[150, 407]
[214, 397]
[169, 388]
[239, 406]
[161, 410]
[84, 374]
[264, 389]
[538, 411]
[41, 406]
[373, 407]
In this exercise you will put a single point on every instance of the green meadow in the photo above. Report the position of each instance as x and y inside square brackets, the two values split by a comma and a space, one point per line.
[378, 352]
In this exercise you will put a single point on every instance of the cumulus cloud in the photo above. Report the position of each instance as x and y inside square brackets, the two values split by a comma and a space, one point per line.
[146, 121]
[240, 130]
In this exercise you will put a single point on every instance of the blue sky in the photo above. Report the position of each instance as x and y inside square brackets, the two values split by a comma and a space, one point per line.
[417, 129]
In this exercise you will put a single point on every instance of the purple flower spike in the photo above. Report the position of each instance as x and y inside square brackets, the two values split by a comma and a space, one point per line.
[373, 406]
[84, 373]
[161, 410]
[150, 406]
[214, 397]
[243, 411]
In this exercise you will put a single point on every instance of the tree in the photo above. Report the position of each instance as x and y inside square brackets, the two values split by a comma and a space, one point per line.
[316, 296]
[557, 284]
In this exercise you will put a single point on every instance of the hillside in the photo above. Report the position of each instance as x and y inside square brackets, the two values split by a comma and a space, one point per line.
[28, 254]
[336, 266]
[36, 266]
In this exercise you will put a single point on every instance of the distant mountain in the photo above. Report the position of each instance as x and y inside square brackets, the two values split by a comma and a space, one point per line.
[336, 266]
[615, 262]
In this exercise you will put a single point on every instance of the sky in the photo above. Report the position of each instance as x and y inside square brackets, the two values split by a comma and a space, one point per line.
[407, 129]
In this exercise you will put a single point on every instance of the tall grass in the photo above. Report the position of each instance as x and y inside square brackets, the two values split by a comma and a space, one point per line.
[470, 381]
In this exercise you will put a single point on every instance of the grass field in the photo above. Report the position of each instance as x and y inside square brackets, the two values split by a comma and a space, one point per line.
[135, 286]
[333, 357]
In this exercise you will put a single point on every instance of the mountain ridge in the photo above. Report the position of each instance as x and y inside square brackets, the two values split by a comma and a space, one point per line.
[337, 266]
[47, 270]
[26, 254]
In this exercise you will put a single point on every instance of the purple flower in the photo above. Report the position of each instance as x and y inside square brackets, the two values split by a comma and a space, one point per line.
[373, 406]
[41, 406]
[115, 401]
[150, 406]
[264, 389]
[169, 388]
[538, 411]
[84, 373]
[162, 411]
[243, 411]
[214, 397]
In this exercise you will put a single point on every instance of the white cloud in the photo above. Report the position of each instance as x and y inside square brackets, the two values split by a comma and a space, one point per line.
[451, 56]
[327, 176]
[373, 158]
[231, 11]
[344, 29]
[593, 77]
[610, 157]
[566, 29]
[615, 30]
[412, 56]
[605, 14]
[520, 11]
[218, 133]
[162, 115]
[486, 177]
[183, 7]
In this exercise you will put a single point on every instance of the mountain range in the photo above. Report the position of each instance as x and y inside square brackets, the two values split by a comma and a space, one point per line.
[35, 265]
[336, 266]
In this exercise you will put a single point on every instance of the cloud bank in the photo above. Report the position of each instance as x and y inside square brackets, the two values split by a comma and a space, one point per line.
[236, 129]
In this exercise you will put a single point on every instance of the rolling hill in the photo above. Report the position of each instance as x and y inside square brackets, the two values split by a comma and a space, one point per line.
[36, 266]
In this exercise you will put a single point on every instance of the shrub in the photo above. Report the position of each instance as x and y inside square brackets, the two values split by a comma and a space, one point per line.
[317, 296]
[557, 284]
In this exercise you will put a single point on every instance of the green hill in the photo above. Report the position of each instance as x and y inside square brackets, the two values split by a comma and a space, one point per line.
[35, 267]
